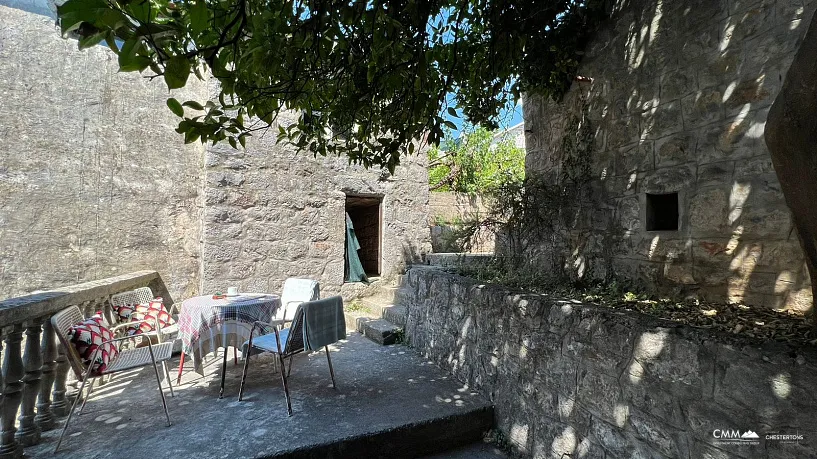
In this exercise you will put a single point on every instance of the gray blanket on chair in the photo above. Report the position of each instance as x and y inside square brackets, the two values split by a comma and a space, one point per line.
[323, 322]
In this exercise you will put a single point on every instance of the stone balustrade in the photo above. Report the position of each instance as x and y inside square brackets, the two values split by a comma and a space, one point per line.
[34, 366]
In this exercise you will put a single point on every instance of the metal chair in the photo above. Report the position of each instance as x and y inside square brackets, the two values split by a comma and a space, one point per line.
[295, 292]
[126, 359]
[293, 343]
[144, 295]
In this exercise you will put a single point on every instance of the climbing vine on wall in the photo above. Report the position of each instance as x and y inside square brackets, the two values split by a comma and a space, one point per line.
[534, 220]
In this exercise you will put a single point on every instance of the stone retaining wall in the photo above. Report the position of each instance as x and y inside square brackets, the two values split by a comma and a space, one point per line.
[573, 380]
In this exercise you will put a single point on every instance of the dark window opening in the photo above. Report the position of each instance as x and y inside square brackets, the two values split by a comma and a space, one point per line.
[662, 212]
[365, 214]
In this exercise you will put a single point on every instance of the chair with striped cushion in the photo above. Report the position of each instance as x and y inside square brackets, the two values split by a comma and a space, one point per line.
[145, 296]
[119, 360]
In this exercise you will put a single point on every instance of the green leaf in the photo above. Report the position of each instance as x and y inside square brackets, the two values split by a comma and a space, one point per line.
[193, 104]
[177, 70]
[199, 17]
[453, 112]
[175, 107]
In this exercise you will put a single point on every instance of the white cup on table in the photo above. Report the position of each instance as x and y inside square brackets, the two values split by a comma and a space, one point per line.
[232, 291]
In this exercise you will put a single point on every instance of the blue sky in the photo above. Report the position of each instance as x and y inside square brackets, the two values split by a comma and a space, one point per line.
[508, 118]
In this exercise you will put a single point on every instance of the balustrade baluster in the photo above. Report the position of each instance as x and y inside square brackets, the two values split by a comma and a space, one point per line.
[13, 372]
[45, 419]
[60, 405]
[29, 432]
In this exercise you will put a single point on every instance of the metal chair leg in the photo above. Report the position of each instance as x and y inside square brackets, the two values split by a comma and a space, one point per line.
[168, 377]
[223, 374]
[87, 396]
[331, 370]
[289, 370]
[70, 413]
[162, 393]
[286, 387]
[235, 357]
[244, 374]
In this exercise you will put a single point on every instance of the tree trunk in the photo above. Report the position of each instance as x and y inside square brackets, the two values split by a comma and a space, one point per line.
[791, 135]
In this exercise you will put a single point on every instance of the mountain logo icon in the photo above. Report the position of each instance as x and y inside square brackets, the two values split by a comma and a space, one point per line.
[749, 435]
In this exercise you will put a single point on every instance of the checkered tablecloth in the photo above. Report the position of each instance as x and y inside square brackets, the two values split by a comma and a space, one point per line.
[206, 324]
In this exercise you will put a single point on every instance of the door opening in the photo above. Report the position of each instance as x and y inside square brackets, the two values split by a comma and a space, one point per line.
[365, 213]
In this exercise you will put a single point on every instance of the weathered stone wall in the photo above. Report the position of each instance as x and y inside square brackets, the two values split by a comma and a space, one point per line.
[94, 182]
[445, 209]
[573, 380]
[678, 102]
[273, 214]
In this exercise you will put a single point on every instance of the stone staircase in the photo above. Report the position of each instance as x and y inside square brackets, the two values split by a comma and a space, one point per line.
[376, 316]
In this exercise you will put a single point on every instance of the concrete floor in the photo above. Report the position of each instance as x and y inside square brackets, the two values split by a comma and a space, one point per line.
[379, 388]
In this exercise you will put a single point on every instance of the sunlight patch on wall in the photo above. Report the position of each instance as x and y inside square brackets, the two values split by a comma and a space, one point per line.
[565, 443]
[781, 385]
[621, 413]
[737, 198]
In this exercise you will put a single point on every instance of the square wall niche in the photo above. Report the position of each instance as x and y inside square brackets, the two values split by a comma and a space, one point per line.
[366, 213]
[662, 212]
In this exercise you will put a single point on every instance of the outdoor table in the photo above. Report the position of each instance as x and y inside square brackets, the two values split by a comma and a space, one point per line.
[205, 324]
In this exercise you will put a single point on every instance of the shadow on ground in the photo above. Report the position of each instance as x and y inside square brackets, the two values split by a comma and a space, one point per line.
[382, 391]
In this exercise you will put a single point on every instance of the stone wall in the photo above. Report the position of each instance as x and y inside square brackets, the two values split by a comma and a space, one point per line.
[445, 209]
[573, 380]
[273, 214]
[678, 101]
[94, 182]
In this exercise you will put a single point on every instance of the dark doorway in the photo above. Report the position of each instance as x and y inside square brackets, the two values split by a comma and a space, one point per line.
[365, 213]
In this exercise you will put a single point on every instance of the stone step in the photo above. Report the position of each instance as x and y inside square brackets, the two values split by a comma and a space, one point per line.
[395, 314]
[380, 331]
[420, 439]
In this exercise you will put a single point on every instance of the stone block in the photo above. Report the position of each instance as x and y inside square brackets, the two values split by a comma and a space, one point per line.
[678, 83]
[754, 92]
[668, 180]
[719, 68]
[747, 23]
[622, 131]
[741, 137]
[703, 107]
[715, 173]
[634, 158]
[663, 120]
[659, 435]
[675, 149]
[628, 211]
[767, 50]
[709, 212]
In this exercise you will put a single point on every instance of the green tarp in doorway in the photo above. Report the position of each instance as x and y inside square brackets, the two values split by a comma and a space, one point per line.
[354, 269]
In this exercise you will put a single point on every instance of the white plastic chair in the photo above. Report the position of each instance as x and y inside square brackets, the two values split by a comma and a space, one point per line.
[295, 292]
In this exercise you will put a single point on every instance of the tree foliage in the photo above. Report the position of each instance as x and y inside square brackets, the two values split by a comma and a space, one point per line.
[371, 77]
[475, 164]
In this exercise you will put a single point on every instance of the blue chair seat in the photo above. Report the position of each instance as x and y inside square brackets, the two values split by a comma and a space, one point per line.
[267, 342]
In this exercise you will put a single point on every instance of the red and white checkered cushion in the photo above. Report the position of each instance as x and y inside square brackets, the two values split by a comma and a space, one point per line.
[87, 336]
[151, 311]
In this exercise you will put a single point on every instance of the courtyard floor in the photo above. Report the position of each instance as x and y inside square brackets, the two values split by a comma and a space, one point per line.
[389, 401]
